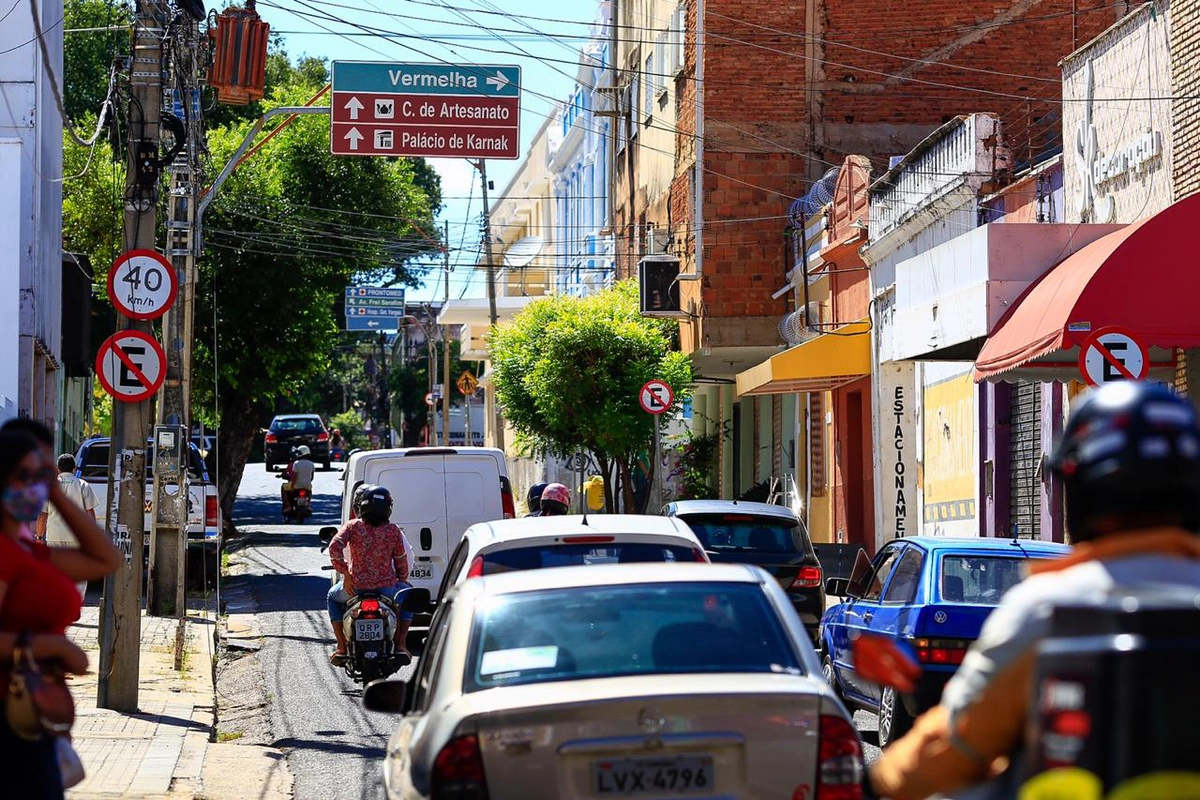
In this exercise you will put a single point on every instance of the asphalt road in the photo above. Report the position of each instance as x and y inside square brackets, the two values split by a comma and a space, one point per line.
[334, 746]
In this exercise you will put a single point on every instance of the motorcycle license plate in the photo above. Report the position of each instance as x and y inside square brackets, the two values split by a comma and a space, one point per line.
[634, 776]
[368, 630]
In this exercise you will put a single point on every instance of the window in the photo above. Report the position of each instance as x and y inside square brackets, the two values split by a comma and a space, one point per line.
[879, 577]
[639, 629]
[429, 663]
[746, 533]
[678, 39]
[982, 580]
[651, 88]
[518, 559]
[635, 94]
[661, 46]
[903, 586]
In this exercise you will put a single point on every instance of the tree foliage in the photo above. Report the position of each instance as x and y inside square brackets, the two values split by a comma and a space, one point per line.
[98, 37]
[568, 373]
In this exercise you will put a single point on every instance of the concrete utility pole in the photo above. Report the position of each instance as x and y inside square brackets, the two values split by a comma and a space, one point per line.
[168, 548]
[446, 342]
[497, 419]
[120, 618]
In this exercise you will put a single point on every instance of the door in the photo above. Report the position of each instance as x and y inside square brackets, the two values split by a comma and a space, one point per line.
[1025, 481]
[419, 508]
[895, 617]
[860, 616]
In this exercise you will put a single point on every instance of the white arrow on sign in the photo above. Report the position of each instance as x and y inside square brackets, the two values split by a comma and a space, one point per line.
[354, 137]
[499, 81]
[353, 105]
[372, 323]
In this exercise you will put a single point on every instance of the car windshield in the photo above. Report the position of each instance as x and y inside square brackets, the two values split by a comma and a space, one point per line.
[982, 580]
[308, 425]
[747, 533]
[544, 556]
[609, 631]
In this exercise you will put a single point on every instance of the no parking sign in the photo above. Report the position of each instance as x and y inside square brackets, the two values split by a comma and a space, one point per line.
[131, 366]
[1113, 354]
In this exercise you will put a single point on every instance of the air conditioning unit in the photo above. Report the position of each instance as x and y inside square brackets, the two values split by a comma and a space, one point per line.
[658, 278]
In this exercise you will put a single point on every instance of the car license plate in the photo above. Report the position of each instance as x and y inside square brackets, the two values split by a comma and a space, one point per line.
[421, 573]
[368, 630]
[633, 776]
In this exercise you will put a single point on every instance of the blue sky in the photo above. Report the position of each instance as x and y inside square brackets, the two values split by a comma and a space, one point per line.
[459, 32]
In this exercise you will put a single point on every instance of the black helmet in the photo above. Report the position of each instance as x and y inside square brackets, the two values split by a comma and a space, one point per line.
[374, 504]
[534, 498]
[1130, 458]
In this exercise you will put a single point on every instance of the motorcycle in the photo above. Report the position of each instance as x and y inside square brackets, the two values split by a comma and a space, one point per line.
[301, 504]
[370, 627]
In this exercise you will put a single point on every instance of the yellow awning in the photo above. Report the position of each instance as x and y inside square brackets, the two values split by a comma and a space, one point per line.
[826, 362]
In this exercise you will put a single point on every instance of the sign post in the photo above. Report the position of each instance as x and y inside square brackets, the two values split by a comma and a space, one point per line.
[656, 398]
[1113, 354]
[425, 110]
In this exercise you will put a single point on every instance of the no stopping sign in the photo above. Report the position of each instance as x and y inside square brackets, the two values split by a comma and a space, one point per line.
[131, 366]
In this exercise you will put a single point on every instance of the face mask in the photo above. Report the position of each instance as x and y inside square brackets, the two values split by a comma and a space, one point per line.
[25, 503]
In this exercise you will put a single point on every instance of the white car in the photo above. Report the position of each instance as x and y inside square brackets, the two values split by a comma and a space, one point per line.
[489, 548]
[645, 681]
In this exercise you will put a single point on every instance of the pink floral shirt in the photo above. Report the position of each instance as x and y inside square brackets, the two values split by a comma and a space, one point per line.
[375, 557]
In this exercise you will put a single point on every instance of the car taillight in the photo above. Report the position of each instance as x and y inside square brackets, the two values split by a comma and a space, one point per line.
[840, 761]
[369, 605]
[700, 556]
[322, 437]
[506, 499]
[272, 438]
[458, 771]
[212, 511]
[476, 570]
[941, 651]
[807, 578]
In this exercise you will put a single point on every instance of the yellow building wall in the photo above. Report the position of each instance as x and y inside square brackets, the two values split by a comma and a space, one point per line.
[949, 463]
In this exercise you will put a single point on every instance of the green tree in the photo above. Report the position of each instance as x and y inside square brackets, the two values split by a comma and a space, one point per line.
[568, 372]
[410, 384]
[88, 53]
[289, 231]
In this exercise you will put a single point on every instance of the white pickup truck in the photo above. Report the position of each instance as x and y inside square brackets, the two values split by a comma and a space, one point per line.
[204, 507]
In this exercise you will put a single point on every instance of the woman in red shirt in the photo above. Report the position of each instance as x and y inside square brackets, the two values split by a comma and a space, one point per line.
[38, 599]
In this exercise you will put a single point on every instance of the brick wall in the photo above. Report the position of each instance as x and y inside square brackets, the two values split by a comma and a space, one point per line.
[1185, 82]
[782, 105]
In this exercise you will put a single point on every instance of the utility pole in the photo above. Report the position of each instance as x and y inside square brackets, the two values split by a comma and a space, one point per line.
[168, 547]
[120, 617]
[497, 420]
[446, 342]
[385, 391]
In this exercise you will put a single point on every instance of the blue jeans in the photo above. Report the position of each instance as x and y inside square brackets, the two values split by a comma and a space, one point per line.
[337, 598]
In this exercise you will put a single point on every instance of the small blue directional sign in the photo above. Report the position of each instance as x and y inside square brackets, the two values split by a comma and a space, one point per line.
[372, 324]
[393, 292]
[371, 311]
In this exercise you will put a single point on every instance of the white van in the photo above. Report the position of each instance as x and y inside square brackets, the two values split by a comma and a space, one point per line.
[437, 493]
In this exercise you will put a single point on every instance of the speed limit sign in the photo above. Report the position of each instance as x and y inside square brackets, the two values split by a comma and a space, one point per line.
[142, 284]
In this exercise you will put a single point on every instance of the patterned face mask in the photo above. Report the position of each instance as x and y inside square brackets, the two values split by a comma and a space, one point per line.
[25, 503]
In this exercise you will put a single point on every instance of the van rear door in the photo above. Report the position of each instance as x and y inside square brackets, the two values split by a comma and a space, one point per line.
[472, 494]
[419, 507]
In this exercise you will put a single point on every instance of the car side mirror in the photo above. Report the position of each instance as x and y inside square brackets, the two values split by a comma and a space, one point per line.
[387, 696]
[414, 642]
[837, 587]
[327, 533]
[417, 601]
[860, 576]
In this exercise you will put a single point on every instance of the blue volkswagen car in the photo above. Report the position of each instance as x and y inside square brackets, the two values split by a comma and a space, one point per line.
[929, 593]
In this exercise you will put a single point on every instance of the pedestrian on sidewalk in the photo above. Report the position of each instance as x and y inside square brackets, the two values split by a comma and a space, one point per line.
[52, 527]
[38, 600]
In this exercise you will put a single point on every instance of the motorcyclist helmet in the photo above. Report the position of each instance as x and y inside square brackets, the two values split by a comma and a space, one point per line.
[303, 452]
[374, 504]
[1130, 458]
[534, 498]
[556, 500]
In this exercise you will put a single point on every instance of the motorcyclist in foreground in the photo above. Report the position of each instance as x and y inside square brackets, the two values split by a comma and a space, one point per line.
[298, 475]
[1130, 465]
[371, 554]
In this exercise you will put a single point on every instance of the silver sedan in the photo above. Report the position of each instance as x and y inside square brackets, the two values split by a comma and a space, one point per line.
[644, 681]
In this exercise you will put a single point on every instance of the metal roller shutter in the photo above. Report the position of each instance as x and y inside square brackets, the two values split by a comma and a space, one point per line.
[1026, 449]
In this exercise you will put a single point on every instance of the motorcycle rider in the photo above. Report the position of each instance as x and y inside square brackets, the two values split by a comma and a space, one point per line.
[534, 499]
[298, 475]
[370, 553]
[556, 500]
[1129, 460]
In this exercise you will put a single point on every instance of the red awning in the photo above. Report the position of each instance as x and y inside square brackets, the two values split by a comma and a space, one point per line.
[1144, 278]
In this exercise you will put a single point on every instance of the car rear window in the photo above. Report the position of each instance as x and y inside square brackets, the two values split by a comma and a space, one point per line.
[309, 425]
[746, 533]
[576, 555]
[982, 580]
[642, 629]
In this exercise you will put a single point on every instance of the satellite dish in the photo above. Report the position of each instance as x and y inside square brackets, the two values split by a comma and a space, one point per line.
[520, 253]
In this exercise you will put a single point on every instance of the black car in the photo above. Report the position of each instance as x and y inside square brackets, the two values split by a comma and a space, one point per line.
[289, 431]
[768, 536]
